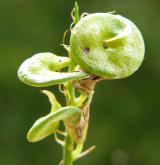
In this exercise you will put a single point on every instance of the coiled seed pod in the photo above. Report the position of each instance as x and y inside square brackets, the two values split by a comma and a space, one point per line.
[107, 45]
[42, 70]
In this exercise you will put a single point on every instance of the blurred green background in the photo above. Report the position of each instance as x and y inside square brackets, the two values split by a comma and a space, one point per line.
[125, 114]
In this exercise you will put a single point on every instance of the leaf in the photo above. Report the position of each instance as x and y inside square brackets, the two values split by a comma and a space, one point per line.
[55, 105]
[75, 13]
[47, 125]
[76, 17]
[42, 70]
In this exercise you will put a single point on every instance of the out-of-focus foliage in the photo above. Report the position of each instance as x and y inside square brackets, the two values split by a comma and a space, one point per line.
[125, 113]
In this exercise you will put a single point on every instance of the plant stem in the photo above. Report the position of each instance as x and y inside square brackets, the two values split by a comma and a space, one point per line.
[68, 148]
[69, 153]
[70, 99]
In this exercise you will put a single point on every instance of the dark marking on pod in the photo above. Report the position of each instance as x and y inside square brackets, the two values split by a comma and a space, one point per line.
[86, 50]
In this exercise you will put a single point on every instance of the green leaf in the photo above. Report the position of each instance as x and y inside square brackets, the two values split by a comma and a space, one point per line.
[55, 105]
[75, 13]
[42, 70]
[47, 125]
[76, 17]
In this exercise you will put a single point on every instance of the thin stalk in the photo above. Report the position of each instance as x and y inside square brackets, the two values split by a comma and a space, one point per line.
[68, 149]
[69, 153]
[70, 99]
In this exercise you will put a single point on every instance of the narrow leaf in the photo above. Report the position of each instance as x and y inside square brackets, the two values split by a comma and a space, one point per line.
[47, 125]
[55, 105]
[76, 17]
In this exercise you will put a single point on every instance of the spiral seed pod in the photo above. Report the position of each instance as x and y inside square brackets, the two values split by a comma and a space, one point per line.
[47, 125]
[107, 45]
[42, 70]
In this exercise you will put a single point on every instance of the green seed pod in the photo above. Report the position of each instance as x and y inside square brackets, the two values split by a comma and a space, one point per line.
[47, 125]
[107, 45]
[42, 70]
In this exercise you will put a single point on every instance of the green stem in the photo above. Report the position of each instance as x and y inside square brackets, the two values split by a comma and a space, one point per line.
[68, 149]
[77, 151]
[70, 99]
